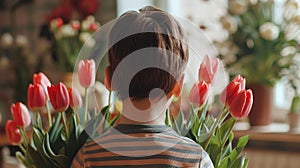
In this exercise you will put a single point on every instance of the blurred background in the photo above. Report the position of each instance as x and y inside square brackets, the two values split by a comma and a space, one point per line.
[259, 39]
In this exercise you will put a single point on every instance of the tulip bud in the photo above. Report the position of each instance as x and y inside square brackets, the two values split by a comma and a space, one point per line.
[75, 24]
[87, 73]
[7, 40]
[56, 23]
[208, 69]
[241, 104]
[232, 89]
[36, 97]
[75, 98]
[199, 93]
[269, 31]
[94, 26]
[21, 41]
[13, 132]
[43, 80]
[59, 97]
[229, 24]
[238, 7]
[21, 114]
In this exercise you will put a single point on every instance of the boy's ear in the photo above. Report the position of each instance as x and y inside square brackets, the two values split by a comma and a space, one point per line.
[176, 91]
[107, 78]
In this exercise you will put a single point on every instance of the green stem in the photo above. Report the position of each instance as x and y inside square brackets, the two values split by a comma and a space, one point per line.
[228, 134]
[23, 134]
[214, 128]
[49, 114]
[85, 106]
[77, 115]
[65, 122]
[109, 97]
[22, 148]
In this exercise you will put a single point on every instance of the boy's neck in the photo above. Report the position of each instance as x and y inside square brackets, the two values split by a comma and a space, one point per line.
[144, 111]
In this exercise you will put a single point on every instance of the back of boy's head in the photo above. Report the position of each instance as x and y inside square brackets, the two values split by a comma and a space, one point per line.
[153, 29]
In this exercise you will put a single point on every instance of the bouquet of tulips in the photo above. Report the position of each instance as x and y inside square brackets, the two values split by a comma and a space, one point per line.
[215, 135]
[57, 144]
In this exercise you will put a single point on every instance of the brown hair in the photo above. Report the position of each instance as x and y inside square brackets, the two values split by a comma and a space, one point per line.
[149, 28]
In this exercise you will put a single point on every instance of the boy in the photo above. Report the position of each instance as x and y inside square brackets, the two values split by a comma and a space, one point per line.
[147, 57]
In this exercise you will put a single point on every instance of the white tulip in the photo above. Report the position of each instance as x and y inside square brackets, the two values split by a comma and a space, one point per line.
[7, 40]
[289, 50]
[229, 24]
[67, 31]
[90, 43]
[238, 7]
[269, 31]
[290, 10]
[21, 41]
[84, 36]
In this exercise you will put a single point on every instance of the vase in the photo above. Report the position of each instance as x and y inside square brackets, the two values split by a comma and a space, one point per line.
[261, 112]
[294, 114]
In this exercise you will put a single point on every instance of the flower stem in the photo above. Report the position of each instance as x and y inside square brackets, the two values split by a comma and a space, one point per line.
[109, 97]
[214, 128]
[22, 131]
[85, 105]
[65, 122]
[227, 135]
[22, 148]
[49, 114]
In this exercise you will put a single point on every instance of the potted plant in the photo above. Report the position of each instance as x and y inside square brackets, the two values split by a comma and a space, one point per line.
[260, 45]
[292, 77]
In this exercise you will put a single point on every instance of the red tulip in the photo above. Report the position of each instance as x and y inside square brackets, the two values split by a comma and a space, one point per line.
[36, 97]
[208, 69]
[232, 89]
[21, 114]
[13, 132]
[75, 98]
[87, 73]
[241, 104]
[199, 93]
[43, 80]
[241, 80]
[93, 27]
[75, 25]
[59, 97]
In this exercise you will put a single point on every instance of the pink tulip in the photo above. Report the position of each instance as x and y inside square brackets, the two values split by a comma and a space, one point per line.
[20, 114]
[87, 73]
[199, 93]
[43, 80]
[36, 97]
[208, 69]
[75, 98]
[13, 132]
[59, 97]
[241, 104]
[232, 89]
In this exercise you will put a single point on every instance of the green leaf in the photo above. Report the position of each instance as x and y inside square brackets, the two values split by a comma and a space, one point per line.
[239, 162]
[242, 142]
[225, 129]
[167, 119]
[54, 130]
[224, 163]
[37, 157]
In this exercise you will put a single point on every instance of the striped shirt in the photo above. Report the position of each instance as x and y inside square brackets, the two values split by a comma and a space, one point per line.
[141, 146]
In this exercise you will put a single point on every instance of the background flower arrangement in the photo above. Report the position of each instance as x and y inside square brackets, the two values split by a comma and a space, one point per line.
[260, 46]
[56, 144]
[68, 27]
